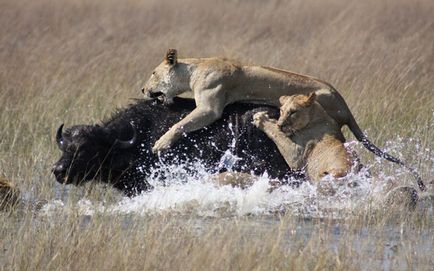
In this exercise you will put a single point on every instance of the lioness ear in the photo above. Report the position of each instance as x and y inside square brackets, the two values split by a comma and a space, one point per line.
[171, 57]
[283, 99]
[311, 98]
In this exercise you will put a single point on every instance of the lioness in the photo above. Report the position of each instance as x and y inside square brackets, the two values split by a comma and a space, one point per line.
[217, 82]
[9, 195]
[307, 137]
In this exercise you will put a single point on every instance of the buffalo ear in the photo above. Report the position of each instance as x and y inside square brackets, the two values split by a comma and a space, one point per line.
[171, 57]
[110, 137]
[283, 99]
[106, 135]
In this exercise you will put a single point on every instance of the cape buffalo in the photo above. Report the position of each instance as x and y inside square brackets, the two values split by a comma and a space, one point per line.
[118, 151]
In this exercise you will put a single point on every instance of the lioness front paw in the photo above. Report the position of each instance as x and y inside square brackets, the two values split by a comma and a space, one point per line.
[262, 118]
[259, 118]
[163, 143]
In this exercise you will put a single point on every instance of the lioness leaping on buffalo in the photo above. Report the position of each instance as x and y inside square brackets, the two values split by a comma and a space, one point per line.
[217, 82]
[307, 137]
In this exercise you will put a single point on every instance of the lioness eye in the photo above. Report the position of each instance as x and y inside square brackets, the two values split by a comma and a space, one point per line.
[153, 73]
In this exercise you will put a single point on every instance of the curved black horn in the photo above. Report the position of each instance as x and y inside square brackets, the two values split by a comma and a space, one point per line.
[125, 144]
[59, 137]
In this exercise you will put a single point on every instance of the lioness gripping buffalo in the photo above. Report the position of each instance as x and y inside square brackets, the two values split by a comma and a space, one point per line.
[307, 137]
[218, 82]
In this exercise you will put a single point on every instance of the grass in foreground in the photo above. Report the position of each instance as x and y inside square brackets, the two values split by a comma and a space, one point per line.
[70, 241]
[74, 61]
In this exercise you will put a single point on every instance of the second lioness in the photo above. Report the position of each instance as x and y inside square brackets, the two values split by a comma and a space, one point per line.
[307, 137]
[216, 82]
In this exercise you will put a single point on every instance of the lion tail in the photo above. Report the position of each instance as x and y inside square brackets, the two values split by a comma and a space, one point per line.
[355, 129]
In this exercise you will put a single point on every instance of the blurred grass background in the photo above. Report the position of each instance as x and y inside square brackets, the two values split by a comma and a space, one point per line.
[75, 61]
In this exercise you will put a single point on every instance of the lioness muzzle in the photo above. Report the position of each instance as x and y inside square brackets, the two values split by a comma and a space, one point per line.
[151, 95]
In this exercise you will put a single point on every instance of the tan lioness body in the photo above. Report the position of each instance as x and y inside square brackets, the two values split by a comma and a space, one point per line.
[307, 137]
[217, 82]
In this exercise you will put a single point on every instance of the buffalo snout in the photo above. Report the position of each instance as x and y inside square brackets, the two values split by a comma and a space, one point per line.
[59, 172]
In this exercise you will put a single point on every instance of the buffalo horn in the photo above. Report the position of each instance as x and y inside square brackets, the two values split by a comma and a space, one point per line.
[59, 137]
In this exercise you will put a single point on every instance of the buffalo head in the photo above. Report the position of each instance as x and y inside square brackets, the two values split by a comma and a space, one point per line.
[88, 152]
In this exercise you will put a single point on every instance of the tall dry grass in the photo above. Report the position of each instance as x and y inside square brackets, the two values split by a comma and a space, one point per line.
[74, 61]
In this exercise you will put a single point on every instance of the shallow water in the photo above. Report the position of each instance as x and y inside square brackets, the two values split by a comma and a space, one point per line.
[326, 207]
[194, 193]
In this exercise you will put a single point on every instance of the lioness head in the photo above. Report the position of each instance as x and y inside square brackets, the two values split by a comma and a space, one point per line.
[295, 112]
[166, 79]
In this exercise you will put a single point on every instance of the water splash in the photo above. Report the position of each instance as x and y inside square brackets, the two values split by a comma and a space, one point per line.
[193, 192]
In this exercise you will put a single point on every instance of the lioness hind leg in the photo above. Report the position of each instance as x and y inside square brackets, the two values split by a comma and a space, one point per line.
[338, 172]
[337, 167]
[329, 157]
[335, 105]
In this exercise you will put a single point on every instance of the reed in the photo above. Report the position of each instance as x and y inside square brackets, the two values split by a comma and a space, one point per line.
[75, 61]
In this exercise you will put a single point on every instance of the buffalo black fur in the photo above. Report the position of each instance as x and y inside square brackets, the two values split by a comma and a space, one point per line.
[90, 151]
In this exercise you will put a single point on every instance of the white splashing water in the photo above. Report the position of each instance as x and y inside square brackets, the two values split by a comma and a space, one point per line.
[188, 193]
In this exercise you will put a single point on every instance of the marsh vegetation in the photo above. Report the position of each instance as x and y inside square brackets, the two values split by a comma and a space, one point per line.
[76, 61]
